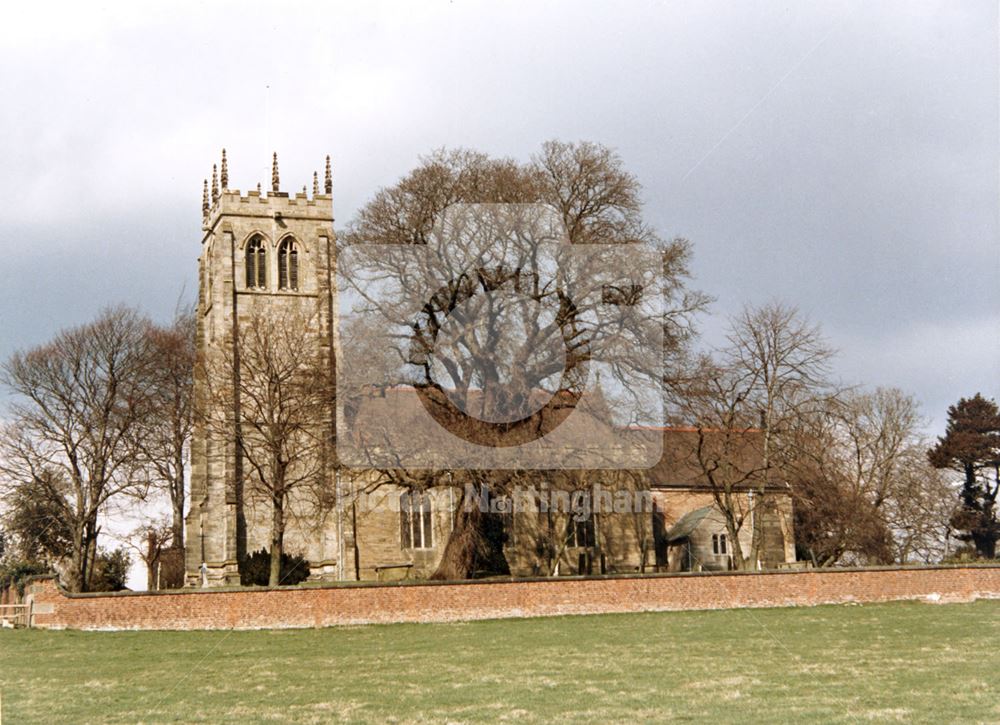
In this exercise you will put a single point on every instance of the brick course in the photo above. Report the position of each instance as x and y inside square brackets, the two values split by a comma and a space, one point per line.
[443, 602]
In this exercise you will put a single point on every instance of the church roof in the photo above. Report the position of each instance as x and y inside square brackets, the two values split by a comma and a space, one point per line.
[736, 455]
[678, 466]
[398, 423]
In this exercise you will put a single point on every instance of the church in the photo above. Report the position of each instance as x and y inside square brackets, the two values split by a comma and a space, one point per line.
[267, 258]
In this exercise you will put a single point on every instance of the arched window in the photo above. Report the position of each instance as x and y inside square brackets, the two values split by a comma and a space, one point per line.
[415, 527]
[720, 544]
[256, 264]
[288, 265]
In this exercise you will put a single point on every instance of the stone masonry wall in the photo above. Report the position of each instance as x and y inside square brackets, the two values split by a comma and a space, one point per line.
[442, 602]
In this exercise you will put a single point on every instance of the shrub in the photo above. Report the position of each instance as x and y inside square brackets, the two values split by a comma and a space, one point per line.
[256, 569]
[18, 571]
[967, 554]
[110, 570]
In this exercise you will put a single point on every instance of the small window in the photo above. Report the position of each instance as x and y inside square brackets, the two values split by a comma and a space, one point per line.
[288, 265]
[256, 264]
[415, 521]
[720, 545]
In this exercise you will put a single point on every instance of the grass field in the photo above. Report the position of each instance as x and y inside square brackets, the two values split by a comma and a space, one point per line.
[903, 662]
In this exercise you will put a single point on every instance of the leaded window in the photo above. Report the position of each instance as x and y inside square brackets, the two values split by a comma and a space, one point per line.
[720, 544]
[415, 521]
[256, 264]
[288, 265]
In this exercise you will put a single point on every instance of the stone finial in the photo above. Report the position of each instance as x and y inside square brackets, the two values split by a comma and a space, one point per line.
[204, 199]
[274, 173]
[258, 187]
[215, 185]
[224, 174]
[328, 183]
[315, 183]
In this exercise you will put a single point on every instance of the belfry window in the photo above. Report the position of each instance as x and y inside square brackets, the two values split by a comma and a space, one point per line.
[288, 265]
[256, 264]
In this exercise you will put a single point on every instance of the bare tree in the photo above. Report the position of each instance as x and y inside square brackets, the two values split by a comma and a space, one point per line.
[725, 447]
[277, 388]
[782, 362]
[598, 203]
[834, 519]
[744, 402]
[865, 490]
[164, 435]
[889, 466]
[920, 516]
[151, 541]
[78, 400]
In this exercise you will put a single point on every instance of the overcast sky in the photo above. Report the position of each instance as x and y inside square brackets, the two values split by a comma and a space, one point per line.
[839, 156]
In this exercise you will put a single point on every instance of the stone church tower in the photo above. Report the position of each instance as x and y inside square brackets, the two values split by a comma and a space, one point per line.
[261, 255]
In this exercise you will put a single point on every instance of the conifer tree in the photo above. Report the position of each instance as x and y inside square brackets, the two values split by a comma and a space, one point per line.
[971, 446]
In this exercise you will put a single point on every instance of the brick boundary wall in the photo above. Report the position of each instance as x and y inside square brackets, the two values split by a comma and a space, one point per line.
[352, 604]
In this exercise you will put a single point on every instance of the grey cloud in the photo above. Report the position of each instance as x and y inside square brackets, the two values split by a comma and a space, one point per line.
[864, 187]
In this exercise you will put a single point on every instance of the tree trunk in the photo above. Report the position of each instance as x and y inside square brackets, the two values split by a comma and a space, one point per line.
[724, 502]
[150, 559]
[177, 529]
[76, 581]
[277, 541]
[757, 533]
[82, 558]
[177, 501]
[461, 552]
[740, 562]
[91, 555]
[476, 541]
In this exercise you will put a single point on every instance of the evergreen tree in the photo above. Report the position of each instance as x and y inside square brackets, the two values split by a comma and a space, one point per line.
[971, 446]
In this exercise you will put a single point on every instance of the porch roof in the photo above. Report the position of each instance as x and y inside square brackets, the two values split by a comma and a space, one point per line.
[686, 525]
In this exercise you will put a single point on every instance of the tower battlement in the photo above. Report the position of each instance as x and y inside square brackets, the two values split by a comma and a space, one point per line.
[233, 202]
[218, 203]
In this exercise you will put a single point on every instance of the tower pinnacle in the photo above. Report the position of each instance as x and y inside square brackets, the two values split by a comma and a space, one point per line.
[274, 173]
[224, 175]
[328, 182]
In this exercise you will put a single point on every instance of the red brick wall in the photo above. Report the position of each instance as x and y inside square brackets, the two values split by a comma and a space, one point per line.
[427, 602]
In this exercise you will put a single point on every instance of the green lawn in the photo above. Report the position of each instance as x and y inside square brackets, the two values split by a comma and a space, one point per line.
[906, 662]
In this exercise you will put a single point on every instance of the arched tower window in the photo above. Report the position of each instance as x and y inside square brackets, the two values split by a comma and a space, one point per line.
[256, 264]
[288, 265]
